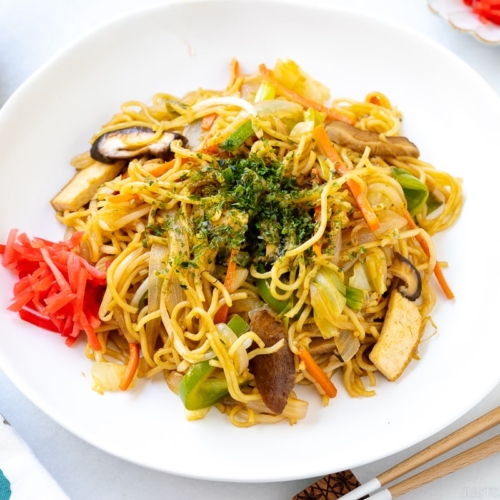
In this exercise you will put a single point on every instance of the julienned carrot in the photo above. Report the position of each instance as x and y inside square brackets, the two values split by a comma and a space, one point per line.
[221, 314]
[317, 249]
[162, 168]
[208, 120]
[123, 198]
[299, 99]
[318, 374]
[159, 170]
[235, 72]
[211, 150]
[133, 363]
[362, 201]
[438, 272]
[364, 205]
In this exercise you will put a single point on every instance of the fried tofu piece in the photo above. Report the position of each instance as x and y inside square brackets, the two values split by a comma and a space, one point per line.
[399, 338]
[82, 187]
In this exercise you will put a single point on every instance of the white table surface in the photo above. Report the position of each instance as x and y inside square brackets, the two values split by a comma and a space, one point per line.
[31, 31]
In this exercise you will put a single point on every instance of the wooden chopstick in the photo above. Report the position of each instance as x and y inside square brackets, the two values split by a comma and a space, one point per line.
[460, 436]
[468, 457]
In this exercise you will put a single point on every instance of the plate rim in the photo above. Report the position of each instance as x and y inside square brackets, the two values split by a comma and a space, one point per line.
[11, 102]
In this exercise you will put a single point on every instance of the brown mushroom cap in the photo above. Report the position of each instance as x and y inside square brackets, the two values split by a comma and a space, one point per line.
[402, 268]
[348, 136]
[119, 144]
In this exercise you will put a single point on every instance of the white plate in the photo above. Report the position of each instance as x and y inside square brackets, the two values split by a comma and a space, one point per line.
[451, 114]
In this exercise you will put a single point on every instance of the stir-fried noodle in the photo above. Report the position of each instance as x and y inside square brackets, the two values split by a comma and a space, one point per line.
[255, 200]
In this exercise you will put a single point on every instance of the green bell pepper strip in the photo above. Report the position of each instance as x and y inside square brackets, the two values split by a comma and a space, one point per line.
[238, 137]
[433, 203]
[278, 306]
[197, 390]
[416, 192]
[238, 325]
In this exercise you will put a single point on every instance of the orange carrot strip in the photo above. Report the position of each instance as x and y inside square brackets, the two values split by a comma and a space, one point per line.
[299, 99]
[364, 205]
[132, 365]
[162, 168]
[318, 374]
[235, 72]
[328, 149]
[221, 314]
[317, 213]
[211, 150]
[362, 201]
[438, 272]
[317, 249]
[208, 121]
[317, 177]
[121, 198]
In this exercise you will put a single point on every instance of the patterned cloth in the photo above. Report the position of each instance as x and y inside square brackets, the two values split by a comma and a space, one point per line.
[329, 487]
[22, 477]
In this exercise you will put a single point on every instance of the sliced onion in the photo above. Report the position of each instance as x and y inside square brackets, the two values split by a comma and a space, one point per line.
[193, 133]
[295, 409]
[347, 344]
[173, 380]
[157, 261]
[174, 294]
[196, 414]
[389, 221]
[249, 88]
[337, 245]
[245, 305]
[122, 325]
[139, 293]
[241, 355]
[225, 101]
[240, 277]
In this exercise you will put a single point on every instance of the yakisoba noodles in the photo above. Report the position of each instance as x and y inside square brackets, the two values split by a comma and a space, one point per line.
[304, 226]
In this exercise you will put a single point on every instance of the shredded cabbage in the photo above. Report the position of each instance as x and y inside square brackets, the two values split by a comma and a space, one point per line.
[327, 301]
[106, 376]
[291, 75]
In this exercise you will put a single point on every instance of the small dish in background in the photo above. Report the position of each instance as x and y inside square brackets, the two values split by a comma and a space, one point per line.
[462, 18]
